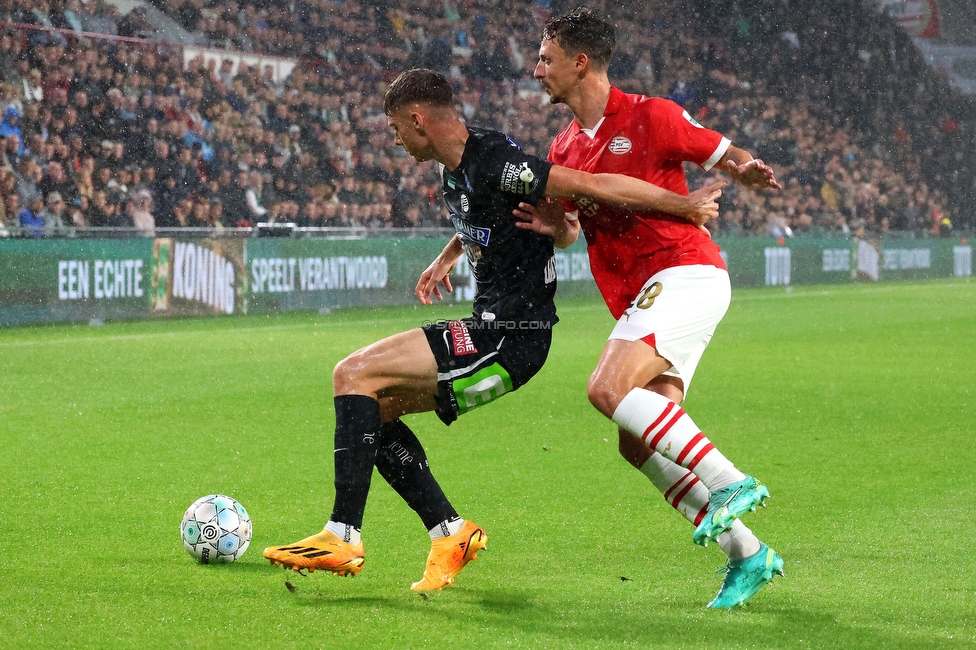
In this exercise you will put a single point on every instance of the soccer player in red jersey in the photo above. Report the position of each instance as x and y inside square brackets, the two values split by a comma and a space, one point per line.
[453, 367]
[663, 279]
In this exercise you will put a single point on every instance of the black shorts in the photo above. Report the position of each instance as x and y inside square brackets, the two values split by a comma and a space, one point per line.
[479, 361]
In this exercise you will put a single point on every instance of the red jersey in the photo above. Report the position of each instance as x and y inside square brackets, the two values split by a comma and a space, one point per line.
[647, 138]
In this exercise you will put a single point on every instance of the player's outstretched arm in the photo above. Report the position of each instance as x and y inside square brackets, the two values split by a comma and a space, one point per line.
[548, 218]
[634, 194]
[747, 171]
[439, 272]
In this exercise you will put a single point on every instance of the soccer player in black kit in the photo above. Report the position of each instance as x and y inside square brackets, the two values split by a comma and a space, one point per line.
[451, 368]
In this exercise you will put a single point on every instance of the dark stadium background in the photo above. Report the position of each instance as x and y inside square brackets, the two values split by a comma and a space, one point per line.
[867, 136]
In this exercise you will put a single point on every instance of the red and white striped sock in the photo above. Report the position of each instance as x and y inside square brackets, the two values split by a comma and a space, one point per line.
[681, 488]
[686, 494]
[668, 430]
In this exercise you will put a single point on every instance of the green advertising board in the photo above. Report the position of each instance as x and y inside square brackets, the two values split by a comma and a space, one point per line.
[284, 273]
[61, 280]
[761, 261]
[71, 280]
[48, 280]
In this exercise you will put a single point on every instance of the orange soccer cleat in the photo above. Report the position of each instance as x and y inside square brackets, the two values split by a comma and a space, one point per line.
[320, 551]
[448, 555]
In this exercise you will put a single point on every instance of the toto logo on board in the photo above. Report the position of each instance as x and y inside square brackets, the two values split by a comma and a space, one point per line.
[619, 145]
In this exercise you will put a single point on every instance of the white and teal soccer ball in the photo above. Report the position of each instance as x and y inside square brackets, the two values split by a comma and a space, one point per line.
[215, 529]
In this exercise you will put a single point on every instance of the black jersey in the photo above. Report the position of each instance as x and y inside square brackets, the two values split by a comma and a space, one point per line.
[515, 269]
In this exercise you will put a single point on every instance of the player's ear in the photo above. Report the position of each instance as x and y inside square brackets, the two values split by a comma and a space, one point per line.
[418, 120]
[582, 61]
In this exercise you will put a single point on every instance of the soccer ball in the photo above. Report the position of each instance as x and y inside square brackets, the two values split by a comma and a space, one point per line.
[216, 528]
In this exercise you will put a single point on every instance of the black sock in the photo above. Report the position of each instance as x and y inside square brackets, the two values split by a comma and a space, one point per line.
[357, 439]
[402, 462]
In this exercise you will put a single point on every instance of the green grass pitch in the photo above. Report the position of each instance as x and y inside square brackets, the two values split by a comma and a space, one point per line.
[853, 404]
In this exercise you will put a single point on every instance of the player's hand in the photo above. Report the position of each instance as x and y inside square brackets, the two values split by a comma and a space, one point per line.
[546, 217]
[438, 273]
[754, 175]
[702, 203]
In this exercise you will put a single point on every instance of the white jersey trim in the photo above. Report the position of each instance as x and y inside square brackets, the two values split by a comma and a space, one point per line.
[592, 132]
[723, 146]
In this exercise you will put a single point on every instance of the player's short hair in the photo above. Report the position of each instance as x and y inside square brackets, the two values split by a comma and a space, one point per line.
[418, 85]
[581, 31]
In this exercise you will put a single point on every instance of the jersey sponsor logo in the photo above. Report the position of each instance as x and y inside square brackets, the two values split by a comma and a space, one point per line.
[587, 207]
[550, 272]
[461, 338]
[486, 385]
[472, 233]
[620, 145]
[465, 204]
[691, 120]
[518, 179]
[473, 253]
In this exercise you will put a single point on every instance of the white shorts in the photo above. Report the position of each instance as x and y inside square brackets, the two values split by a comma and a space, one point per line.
[676, 312]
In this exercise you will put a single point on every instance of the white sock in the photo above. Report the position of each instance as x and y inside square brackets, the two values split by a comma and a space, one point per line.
[686, 494]
[446, 528]
[668, 430]
[344, 532]
[738, 542]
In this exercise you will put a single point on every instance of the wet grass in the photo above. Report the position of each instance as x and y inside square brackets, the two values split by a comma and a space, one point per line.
[854, 404]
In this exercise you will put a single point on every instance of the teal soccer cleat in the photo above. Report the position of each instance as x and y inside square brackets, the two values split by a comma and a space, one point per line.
[728, 504]
[745, 578]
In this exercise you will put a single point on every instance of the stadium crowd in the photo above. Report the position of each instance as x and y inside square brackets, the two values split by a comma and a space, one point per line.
[123, 133]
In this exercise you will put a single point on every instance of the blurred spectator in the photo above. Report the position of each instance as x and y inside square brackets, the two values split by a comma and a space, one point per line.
[11, 127]
[33, 89]
[30, 218]
[142, 217]
[28, 177]
[100, 212]
[252, 197]
[200, 214]
[56, 221]
[125, 217]
[11, 205]
[235, 201]
[55, 180]
[216, 216]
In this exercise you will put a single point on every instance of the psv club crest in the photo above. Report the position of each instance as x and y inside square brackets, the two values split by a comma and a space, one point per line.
[619, 145]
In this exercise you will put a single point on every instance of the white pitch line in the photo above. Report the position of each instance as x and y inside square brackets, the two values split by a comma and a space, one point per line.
[595, 306]
[843, 289]
[155, 335]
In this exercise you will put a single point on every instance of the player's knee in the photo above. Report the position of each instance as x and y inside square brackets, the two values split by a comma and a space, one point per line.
[602, 394]
[347, 374]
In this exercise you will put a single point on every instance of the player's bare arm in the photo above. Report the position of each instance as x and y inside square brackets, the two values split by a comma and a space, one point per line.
[747, 171]
[439, 272]
[548, 218]
[633, 194]
[698, 207]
